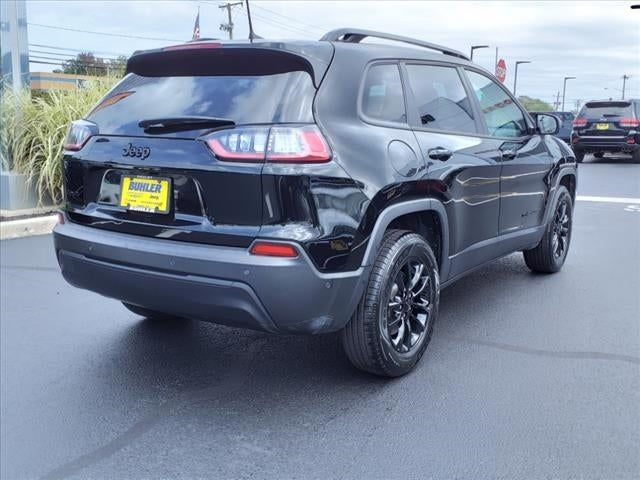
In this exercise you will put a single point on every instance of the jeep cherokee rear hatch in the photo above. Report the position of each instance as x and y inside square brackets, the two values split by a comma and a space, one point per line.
[176, 149]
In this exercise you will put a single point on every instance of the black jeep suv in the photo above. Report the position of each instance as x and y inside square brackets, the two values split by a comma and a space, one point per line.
[607, 126]
[308, 187]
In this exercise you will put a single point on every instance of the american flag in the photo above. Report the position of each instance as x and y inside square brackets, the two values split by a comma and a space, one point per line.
[196, 27]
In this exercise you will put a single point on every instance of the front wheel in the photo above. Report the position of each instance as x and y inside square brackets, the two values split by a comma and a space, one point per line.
[549, 255]
[392, 325]
[636, 155]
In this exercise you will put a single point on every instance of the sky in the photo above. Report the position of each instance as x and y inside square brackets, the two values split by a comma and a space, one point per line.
[595, 41]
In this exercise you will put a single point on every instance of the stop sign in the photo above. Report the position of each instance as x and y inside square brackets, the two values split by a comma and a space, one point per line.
[501, 70]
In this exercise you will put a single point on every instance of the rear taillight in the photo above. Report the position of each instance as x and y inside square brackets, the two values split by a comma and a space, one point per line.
[629, 122]
[272, 249]
[278, 144]
[79, 132]
[580, 122]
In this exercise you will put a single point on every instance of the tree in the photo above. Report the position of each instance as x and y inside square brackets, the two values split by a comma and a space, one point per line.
[117, 66]
[85, 63]
[534, 104]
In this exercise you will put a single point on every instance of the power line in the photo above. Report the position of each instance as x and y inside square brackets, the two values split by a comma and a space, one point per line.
[291, 19]
[53, 47]
[67, 56]
[122, 35]
[281, 26]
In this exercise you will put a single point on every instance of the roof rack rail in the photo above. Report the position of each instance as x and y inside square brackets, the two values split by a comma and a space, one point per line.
[356, 35]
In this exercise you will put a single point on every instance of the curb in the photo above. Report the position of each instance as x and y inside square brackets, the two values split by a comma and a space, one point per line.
[27, 227]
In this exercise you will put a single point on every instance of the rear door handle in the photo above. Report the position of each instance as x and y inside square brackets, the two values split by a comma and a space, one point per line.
[440, 153]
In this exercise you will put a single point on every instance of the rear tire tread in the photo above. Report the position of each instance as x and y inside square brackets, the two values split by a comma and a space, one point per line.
[360, 336]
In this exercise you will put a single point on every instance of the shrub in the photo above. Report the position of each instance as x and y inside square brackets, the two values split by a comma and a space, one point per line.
[33, 128]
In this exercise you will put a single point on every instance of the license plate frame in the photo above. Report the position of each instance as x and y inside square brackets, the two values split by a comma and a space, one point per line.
[145, 197]
[602, 126]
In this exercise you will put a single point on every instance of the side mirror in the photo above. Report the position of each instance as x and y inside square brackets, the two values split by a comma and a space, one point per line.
[547, 124]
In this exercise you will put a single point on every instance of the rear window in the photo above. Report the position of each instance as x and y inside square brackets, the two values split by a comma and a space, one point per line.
[382, 96]
[277, 98]
[606, 109]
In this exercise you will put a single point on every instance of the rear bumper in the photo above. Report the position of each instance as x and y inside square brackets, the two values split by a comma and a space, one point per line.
[223, 285]
[610, 144]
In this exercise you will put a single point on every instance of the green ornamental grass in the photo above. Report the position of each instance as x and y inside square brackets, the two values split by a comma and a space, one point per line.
[32, 130]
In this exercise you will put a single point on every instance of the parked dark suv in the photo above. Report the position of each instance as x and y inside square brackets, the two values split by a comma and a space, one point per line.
[308, 187]
[607, 126]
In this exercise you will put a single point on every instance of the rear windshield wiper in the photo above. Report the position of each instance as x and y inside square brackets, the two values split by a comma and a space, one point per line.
[178, 124]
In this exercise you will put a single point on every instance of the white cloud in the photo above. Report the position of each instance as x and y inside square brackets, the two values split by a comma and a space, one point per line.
[597, 42]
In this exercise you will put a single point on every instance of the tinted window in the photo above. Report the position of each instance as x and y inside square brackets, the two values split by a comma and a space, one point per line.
[564, 116]
[606, 109]
[382, 97]
[440, 98]
[502, 115]
[284, 97]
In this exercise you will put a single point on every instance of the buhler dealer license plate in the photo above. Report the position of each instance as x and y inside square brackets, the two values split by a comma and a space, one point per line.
[145, 194]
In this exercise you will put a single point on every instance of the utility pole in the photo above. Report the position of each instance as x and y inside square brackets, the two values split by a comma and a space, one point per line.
[624, 84]
[228, 27]
[578, 102]
[557, 103]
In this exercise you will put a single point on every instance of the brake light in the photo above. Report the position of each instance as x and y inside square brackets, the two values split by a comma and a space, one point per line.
[277, 144]
[271, 249]
[79, 132]
[629, 122]
[580, 122]
[192, 46]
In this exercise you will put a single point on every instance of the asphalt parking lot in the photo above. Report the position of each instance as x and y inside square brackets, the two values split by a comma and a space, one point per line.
[527, 376]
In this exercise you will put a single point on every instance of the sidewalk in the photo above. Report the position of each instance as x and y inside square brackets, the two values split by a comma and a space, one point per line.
[22, 223]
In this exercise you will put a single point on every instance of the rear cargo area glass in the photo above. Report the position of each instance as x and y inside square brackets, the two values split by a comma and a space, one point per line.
[278, 98]
[606, 109]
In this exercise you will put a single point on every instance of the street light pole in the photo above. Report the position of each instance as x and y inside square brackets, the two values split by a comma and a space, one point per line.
[515, 77]
[564, 89]
[476, 47]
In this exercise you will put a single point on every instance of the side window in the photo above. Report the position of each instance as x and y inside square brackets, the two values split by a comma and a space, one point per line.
[382, 97]
[440, 98]
[503, 117]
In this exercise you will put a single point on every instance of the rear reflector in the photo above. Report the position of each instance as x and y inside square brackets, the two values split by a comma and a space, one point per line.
[580, 122]
[270, 249]
[629, 122]
[277, 144]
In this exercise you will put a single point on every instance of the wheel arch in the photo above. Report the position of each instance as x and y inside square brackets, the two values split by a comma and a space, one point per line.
[566, 178]
[400, 211]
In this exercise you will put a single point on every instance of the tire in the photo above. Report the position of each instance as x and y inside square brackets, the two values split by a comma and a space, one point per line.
[579, 156]
[549, 255]
[598, 154]
[147, 313]
[373, 340]
[636, 155]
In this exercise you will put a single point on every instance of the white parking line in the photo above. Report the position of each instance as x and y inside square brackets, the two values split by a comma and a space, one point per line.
[625, 200]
